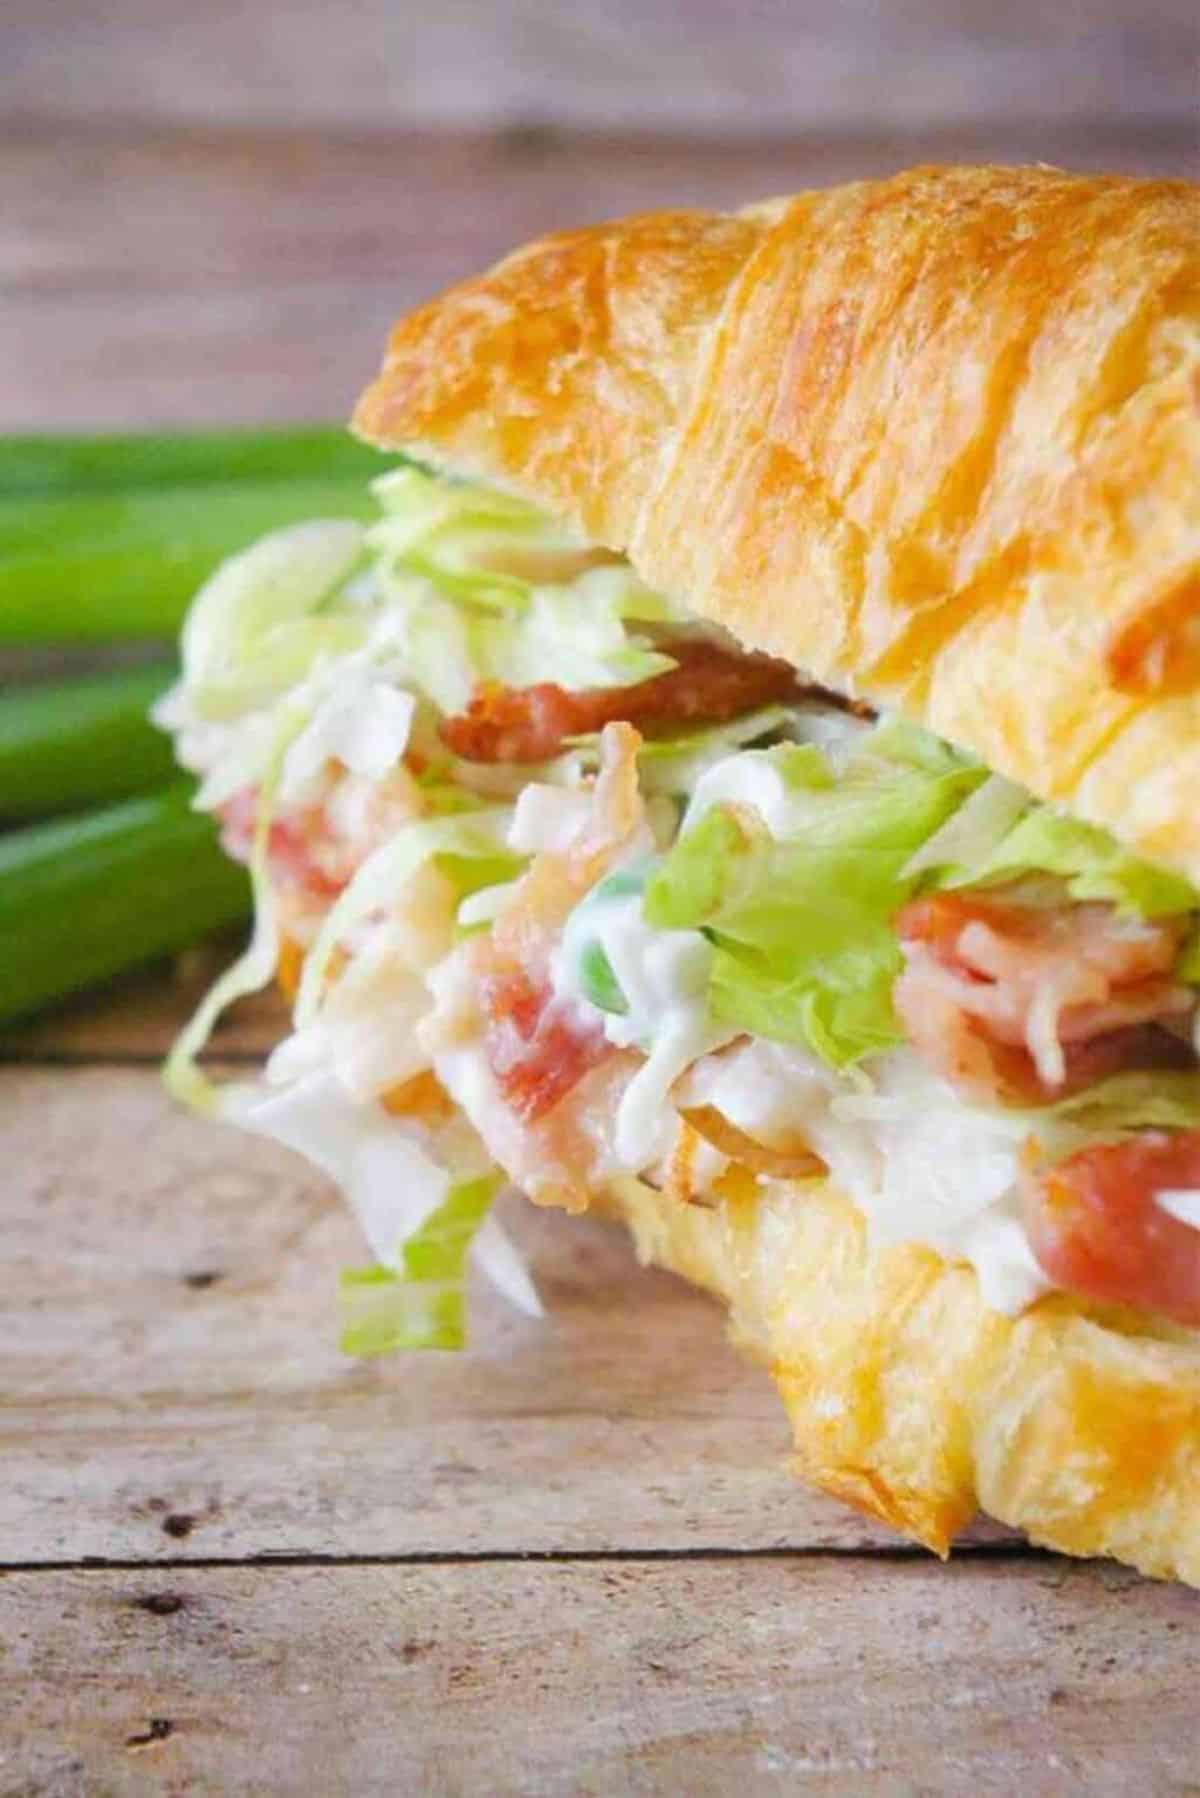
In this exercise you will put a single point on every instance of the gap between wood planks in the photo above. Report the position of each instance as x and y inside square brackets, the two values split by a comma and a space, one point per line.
[1006, 1550]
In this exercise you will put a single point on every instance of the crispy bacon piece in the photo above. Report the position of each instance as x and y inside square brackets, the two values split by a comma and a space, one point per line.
[1097, 1228]
[710, 685]
[537, 1049]
[1035, 1002]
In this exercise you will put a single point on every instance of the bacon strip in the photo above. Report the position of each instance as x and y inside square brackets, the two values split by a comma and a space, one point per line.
[710, 685]
[1097, 1229]
[1032, 1003]
[536, 1048]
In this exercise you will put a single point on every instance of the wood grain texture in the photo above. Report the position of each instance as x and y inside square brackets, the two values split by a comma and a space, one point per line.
[700, 1677]
[199, 276]
[168, 1350]
[758, 66]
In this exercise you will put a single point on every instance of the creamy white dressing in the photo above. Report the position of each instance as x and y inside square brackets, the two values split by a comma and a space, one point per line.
[921, 1165]
[752, 777]
[663, 975]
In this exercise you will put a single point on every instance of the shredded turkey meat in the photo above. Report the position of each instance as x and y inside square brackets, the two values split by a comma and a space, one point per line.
[1023, 1001]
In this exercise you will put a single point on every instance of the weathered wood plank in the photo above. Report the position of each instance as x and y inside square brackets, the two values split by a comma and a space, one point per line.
[206, 277]
[170, 1381]
[703, 64]
[706, 1677]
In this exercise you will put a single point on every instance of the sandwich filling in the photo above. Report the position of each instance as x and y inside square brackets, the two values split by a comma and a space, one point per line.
[570, 889]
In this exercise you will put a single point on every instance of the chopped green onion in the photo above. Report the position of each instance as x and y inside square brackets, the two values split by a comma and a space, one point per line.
[598, 981]
[71, 744]
[86, 896]
[66, 466]
[110, 536]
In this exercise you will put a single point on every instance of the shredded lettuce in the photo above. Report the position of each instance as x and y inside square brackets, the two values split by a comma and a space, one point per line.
[1090, 860]
[421, 1304]
[258, 625]
[770, 913]
[897, 740]
[484, 588]
[805, 950]
[256, 966]
[673, 765]
[471, 851]
[973, 832]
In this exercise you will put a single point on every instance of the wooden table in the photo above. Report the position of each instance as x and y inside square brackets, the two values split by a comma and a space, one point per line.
[570, 1560]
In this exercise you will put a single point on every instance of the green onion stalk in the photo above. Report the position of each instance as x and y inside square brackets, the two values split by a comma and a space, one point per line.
[89, 895]
[110, 537]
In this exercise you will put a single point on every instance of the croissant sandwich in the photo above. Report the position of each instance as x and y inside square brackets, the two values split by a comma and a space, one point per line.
[747, 781]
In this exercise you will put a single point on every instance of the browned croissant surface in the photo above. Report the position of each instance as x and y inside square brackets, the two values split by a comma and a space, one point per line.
[935, 439]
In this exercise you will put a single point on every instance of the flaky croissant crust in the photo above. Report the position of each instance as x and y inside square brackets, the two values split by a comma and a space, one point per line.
[912, 1401]
[935, 439]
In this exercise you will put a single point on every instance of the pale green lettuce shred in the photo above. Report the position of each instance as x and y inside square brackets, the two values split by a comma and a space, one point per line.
[1089, 859]
[446, 560]
[256, 966]
[467, 584]
[673, 765]
[422, 1304]
[473, 845]
[264, 618]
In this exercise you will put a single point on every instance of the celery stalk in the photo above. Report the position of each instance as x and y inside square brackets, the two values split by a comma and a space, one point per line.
[72, 744]
[88, 895]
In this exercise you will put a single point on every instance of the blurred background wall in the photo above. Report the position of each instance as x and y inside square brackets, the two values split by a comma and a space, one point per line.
[212, 210]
